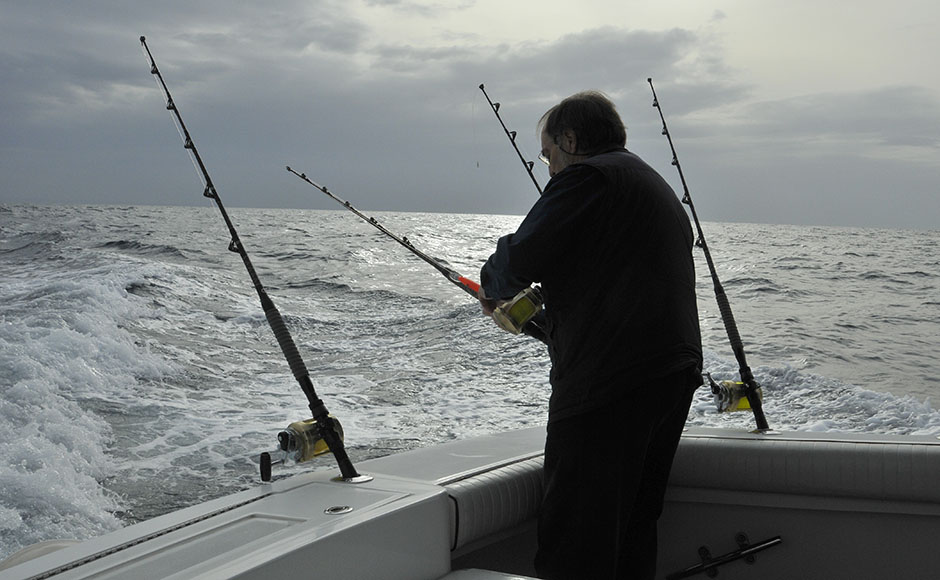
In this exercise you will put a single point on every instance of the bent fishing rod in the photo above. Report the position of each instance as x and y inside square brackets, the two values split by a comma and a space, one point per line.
[326, 427]
[724, 306]
[512, 139]
[472, 288]
[465, 284]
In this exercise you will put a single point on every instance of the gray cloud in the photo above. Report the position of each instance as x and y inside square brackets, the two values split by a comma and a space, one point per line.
[394, 125]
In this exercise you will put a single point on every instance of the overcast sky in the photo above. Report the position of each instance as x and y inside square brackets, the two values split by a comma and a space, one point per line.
[782, 111]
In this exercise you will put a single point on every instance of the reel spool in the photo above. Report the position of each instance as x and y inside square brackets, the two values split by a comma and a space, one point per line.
[512, 316]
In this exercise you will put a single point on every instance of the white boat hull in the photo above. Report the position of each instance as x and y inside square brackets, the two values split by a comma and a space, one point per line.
[830, 506]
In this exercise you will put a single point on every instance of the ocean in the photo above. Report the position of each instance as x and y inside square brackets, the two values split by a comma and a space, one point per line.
[138, 374]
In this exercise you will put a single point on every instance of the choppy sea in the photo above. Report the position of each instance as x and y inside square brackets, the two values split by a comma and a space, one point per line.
[138, 374]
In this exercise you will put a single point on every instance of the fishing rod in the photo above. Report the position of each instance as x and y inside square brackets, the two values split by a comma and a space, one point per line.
[514, 316]
[528, 165]
[512, 139]
[302, 439]
[465, 284]
[747, 377]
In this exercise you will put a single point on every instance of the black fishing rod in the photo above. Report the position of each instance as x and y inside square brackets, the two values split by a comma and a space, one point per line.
[747, 377]
[512, 139]
[325, 426]
[466, 284]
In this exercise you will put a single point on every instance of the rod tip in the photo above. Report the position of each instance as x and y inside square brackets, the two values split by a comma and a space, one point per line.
[143, 39]
[288, 167]
[481, 86]
[649, 79]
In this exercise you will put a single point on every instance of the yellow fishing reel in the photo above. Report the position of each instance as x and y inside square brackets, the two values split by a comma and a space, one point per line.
[731, 396]
[303, 440]
[513, 315]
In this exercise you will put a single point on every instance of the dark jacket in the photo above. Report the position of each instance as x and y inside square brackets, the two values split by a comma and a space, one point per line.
[611, 246]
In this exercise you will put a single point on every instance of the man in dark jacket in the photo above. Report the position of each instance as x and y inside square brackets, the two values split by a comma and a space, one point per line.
[610, 244]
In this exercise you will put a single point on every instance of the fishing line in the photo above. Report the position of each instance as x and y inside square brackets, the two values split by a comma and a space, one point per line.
[473, 125]
[323, 424]
[472, 288]
[724, 306]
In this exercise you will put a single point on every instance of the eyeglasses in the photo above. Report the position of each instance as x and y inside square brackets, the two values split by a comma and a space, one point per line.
[546, 158]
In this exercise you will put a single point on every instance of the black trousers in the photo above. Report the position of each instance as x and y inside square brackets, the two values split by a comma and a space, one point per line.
[605, 479]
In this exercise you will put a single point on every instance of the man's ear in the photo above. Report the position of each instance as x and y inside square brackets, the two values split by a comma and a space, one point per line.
[571, 141]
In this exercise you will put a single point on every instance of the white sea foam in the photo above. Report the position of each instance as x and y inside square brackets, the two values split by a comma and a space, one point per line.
[63, 352]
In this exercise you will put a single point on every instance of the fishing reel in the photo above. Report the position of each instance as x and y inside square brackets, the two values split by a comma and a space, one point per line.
[731, 396]
[513, 315]
[301, 441]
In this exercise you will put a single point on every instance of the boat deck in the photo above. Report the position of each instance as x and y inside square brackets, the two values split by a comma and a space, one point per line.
[823, 505]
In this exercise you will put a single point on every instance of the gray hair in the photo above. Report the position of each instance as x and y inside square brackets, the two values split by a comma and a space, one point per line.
[592, 117]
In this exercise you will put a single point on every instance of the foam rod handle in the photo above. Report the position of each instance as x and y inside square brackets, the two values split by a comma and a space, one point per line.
[728, 318]
[284, 339]
[296, 363]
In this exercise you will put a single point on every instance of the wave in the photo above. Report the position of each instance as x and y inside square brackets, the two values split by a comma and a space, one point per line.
[755, 285]
[64, 352]
[135, 247]
[33, 245]
[27, 250]
[316, 284]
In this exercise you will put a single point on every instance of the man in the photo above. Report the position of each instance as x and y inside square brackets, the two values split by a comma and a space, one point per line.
[610, 244]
